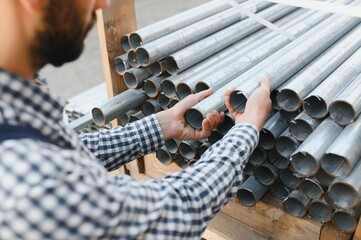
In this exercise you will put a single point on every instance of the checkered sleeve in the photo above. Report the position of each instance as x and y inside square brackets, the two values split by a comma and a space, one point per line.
[67, 196]
[120, 145]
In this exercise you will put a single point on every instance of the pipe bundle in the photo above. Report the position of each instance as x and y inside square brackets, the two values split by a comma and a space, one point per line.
[309, 149]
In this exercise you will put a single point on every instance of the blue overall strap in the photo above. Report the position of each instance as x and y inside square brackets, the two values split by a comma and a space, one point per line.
[8, 132]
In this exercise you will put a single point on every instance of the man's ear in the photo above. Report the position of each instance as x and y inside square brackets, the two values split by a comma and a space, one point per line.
[31, 6]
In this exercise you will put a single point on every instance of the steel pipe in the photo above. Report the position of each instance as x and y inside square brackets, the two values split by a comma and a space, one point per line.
[121, 103]
[181, 20]
[320, 210]
[289, 116]
[302, 126]
[286, 144]
[188, 56]
[291, 93]
[277, 160]
[124, 43]
[162, 47]
[203, 148]
[345, 192]
[296, 204]
[121, 64]
[157, 68]
[324, 178]
[150, 107]
[316, 104]
[266, 174]
[124, 117]
[258, 156]
[215, 136]
[271, 130]
[345, 108]
[173, 102]
[132, 58]
[81, 123]
[204, 68]
[136, 116]
[249, 169]
[251, 191]
[164, 156]
[151, 86]
[343, 154]
[135, 77]
[306, 159]
[279, 191]
[191, 162]
[180, 161]
[346, 220]
[299, 52]
[163, 100]
[289, 179]
[312, 188]
[227, 123]
[189, 149]
[172, 145]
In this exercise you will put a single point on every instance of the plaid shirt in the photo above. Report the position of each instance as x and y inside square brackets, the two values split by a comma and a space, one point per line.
[63, 190]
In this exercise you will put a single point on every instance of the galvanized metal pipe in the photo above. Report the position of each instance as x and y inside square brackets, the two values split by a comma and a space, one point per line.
[121, 103]
[343, 154]
[173, 102]
[258, 156]
[271, 130]
[346, 220]
[157, 68]
[296, 204]
[324, 178]
[286, 144]
[249, 169]
[291, 93]
[215, 136]
[320, 210]
[162, 47]
[81, 123]
[132, 58]
[150, 107]
[188, 56]
[164, 156]
[289, 179]
[289, 116]
[345, 108]
[151, 86]
[203, 148]
[251, 191]
[227, 123]
[279, 191]
[180, 161]
[312, 188]
[277, 160]
[302, 126]
[172, 145]
[124, 117]
[189, 149]
[299, 52]
[163, 100]
[135, 77]
[124, 43]
[245, 45]
[317, 102]
[136, 116]
[306, 159]
[345, 192]
[181, 20]
[266, 174]
[121, 64]
[191, 162]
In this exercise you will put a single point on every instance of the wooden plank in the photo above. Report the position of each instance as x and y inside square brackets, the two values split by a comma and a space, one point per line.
[358, 231]
[330, 232]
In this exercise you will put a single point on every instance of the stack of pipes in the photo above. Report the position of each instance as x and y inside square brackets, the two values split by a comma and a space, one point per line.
[308, 154]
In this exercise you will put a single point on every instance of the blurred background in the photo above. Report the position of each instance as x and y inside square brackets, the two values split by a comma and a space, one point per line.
[86, 72]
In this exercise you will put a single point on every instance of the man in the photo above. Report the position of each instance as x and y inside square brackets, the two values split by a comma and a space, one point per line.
[54, 186]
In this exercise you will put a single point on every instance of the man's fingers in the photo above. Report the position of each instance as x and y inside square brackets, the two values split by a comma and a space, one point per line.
[206, 129]
[193, 99]
[266, 82]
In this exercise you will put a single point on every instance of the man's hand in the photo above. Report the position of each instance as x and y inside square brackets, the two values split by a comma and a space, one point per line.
[257, 108]
[174, 125]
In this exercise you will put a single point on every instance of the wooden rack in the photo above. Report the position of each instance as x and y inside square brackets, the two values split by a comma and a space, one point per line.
[266, 220]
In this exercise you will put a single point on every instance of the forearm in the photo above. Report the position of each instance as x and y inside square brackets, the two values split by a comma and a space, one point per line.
[120, 145]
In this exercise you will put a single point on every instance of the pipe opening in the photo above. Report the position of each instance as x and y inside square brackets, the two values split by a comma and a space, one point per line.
[285, 146]
[181, 162]
[304, 164]
[300, 129]
[342, 112]
[344, 221]
[258, 156]
[124, 119]
[155, 69]
[249, 168]
[148, 108]
[203, 148]
[294, 207]
[124, 43]
[173, 102]
[279, 191]
[273, 96]
[142, 57]
[324, 178]
[171, 145]
[277, 160]
[163, 101]
[266, 140]
[215, 137]
[98, 117]
[238, 100]
[183, 90]
[150, 89]
[168, 88]
[120, 66]
[170, 65]
[289, 116]
[311, 189]
[289, 179]
[194, 118]
[288, 100]
[344, 195]
[226, 125]
[336, 165]
[132, 59]
[320, 211]
[265, 175]
[187, 151]
[246, 197]
[164, 156]
[191, 162]
[130, 80]
[316, 107]
[201, 86]
[135, 40]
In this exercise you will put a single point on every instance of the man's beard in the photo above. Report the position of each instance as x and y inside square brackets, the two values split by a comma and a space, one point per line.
[61, 38]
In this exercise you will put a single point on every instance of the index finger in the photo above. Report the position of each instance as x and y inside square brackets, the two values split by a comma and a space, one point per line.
[266, 82]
